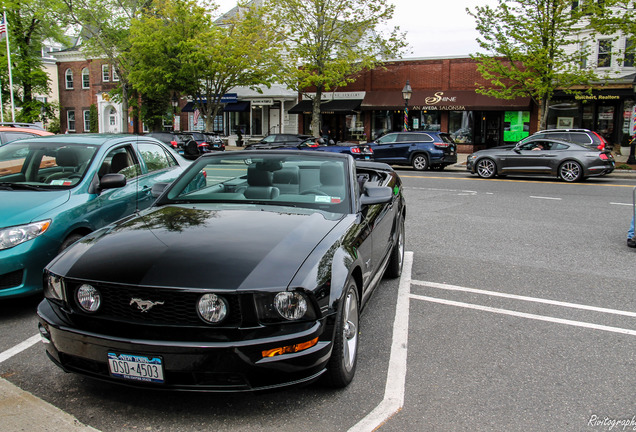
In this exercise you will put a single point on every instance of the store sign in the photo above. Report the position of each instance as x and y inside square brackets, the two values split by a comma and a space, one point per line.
[327, 96]
[440, 102]
[587, 97]
[262, 102]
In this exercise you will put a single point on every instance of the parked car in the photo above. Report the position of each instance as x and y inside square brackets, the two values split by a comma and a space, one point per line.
[356, 150]
[182, 143]
[14, 131]
[214, 141]
[542, 156]
[583, 137]
[57, 189]
[279, 140]
[252, 281]
[203, 146]
[421, 150]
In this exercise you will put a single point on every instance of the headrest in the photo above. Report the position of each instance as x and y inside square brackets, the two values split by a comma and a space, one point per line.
[66, 157]
[331, 174]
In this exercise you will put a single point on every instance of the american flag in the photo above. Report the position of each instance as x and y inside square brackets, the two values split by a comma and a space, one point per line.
[196, 116]
[3, 27]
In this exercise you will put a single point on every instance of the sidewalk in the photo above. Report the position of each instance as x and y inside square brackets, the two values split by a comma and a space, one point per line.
[21, 411]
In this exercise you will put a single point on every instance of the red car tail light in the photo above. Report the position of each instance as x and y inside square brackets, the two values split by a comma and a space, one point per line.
[355, 150]
[173, 144]
[603, 156]
[603, 143]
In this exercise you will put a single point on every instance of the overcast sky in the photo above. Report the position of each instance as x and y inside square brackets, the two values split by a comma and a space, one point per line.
[435, 28]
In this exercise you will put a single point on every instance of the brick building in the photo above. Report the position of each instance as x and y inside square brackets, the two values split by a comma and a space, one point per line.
[84, 82]
[443, 99]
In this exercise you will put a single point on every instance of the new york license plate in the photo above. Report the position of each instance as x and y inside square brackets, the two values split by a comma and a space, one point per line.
[136, 367]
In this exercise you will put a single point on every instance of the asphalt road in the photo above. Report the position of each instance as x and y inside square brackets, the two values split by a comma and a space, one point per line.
[518, 314]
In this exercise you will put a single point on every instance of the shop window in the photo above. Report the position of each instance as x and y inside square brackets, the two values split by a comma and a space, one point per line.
[85, 78]
[382, 123]
[630, 51]
[105, 73]
[516, 125]
[460, 126]
[427, 120]
[604, 54]
[69, 79]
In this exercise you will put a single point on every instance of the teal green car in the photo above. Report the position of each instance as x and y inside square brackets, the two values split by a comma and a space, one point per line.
[54, 190]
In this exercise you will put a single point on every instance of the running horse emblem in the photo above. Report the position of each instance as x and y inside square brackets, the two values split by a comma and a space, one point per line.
[144, 305]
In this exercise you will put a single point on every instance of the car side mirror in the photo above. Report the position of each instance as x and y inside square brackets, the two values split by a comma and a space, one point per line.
[112, 181]
[157, 189]
[376, 195]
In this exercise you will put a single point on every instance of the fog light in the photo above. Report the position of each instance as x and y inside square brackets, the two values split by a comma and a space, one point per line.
[88, 298]
[212, 308]
[290, 305]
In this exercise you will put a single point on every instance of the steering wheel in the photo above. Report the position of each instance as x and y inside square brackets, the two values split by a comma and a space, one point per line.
[313, 192]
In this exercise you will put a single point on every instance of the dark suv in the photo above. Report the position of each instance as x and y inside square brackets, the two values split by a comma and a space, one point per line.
[578, 136]
[422, 150]
[183, 143]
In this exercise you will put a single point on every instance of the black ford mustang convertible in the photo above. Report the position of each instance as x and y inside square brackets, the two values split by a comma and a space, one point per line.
[249, 272]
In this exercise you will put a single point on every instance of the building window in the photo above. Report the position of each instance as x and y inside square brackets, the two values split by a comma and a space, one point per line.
[630, 51]
[583, 52]
[86, 83]
[105, 73]
[70, 120]
[604, 55]
[87, 121]
[69, 79]
[115, 75]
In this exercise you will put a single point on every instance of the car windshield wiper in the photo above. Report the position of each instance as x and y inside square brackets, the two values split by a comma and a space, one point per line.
[18, 186]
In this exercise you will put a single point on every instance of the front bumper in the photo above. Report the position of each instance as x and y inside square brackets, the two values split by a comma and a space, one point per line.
[222, 366]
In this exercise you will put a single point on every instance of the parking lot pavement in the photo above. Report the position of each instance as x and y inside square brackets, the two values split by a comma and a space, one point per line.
[21, 411]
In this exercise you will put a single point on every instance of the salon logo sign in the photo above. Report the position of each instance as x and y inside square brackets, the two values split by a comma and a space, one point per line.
[440, 102]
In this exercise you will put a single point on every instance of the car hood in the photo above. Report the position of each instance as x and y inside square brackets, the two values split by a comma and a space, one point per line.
[193, 248]
[20, 207]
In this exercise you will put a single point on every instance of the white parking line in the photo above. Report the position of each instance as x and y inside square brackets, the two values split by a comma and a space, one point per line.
[526, 315]
[6, 355]
[546, 198]
[396, 375]
[524, 298]
[624, 204]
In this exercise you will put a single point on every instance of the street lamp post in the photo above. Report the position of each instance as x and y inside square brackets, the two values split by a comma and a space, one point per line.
[406, 94]
[631, 159]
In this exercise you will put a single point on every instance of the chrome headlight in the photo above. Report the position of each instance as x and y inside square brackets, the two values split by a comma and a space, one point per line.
[54, 288]
[291, 305]
[212, 308]
[88, 298]
[13, 236]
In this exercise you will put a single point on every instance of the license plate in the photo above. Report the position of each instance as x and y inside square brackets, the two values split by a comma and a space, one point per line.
[136, 367]
[367, 157]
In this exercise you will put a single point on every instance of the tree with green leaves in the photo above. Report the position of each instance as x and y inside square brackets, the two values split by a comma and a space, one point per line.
[178, 46]
[328, 42]
[530, 51]
[30, 23]
[105, 28]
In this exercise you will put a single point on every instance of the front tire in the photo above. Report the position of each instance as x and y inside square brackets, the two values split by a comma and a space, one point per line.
[486, 168]
[571, 171]
[69, 241]
[344, 355]
[420, 162]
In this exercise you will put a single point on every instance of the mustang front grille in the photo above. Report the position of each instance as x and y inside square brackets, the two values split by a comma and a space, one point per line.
[141, 305]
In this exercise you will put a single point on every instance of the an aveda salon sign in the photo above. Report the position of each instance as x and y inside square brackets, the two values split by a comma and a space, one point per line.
[440, 101]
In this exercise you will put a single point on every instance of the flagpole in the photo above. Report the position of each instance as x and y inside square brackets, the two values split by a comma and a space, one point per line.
[1, 104]
[4, 13]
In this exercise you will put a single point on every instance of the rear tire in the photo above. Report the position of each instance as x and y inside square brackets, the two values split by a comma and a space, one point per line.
[344, 355]
[571, 171]
[394, 269]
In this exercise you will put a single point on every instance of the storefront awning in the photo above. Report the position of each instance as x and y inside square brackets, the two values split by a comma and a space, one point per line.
[447, 100]
[341, 106]
[229, 107]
